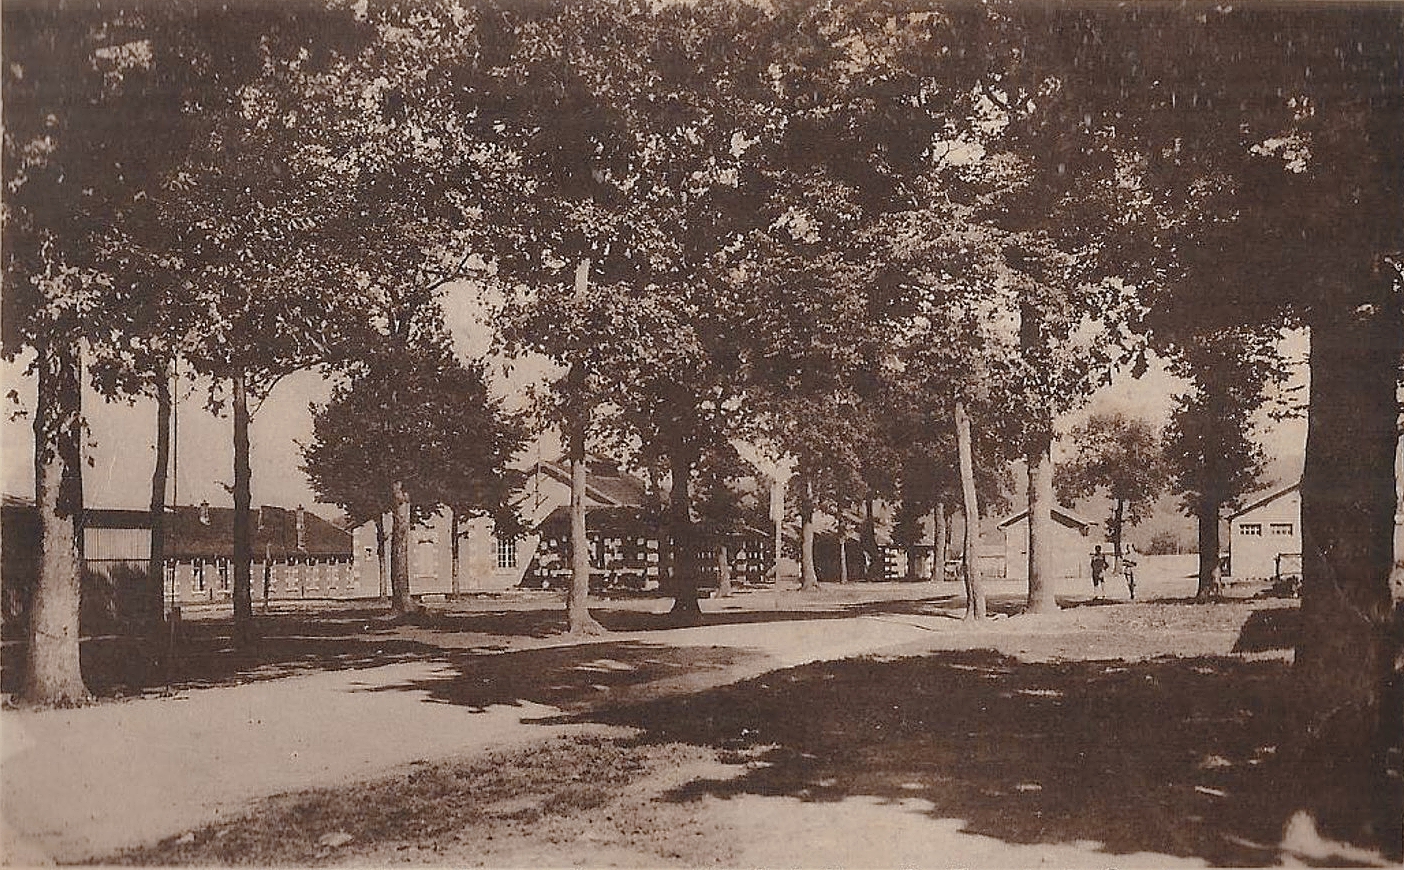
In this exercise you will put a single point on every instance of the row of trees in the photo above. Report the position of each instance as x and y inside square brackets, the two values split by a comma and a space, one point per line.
[808, 223]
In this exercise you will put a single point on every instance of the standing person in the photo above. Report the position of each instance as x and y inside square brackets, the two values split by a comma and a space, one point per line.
[1099, 568]
[1128, 568]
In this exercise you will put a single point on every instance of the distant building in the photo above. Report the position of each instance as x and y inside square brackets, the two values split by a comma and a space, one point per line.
[116, 552]
[1072, 544]
[622, 525]
[296, 553]
[1265, 537]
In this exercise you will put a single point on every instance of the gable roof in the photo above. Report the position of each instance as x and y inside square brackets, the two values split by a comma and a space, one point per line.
[1260, 500]
[1058, 511]
[273, 530]
[604, 482]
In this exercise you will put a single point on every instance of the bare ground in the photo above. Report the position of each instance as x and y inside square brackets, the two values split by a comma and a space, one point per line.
[864, 727]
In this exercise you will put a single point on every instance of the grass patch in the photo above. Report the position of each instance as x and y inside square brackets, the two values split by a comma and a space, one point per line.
[442, 809]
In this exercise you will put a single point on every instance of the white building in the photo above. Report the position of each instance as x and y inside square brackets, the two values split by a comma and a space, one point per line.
[1265, 538]
[1072, 544]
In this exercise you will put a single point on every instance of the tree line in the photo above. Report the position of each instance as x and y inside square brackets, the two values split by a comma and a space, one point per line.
[869, 234]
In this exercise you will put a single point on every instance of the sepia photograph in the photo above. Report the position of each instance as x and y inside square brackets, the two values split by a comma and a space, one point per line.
[702, 433]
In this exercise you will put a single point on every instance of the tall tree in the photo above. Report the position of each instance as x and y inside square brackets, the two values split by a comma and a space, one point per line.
[1213, 458]
[414, 432]
[1121, 457]
[1283, 124]
[103, 103]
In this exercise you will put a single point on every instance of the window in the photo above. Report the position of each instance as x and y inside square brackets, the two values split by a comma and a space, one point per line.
[506, 552]
[1281, 529]
[171, 589]
[1252, 530]
[223, 575]
[197, 580]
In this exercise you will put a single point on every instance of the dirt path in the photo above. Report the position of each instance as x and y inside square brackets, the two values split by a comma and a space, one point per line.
[92, 781]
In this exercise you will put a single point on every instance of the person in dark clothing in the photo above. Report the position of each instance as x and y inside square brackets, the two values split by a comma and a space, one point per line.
[1099, 570]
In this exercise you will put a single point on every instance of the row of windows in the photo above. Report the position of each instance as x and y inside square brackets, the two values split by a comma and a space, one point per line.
[200, 575]
[1255, 530]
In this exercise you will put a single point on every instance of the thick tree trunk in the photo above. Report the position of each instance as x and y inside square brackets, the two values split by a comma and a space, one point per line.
[52, 673]
[578, 618]
[400, 601]
[723, 570]
[245, 634]
[1041, 592]
[809, 579]
[453, 553]
[974, 585]
[1210, 579]
[154, 604]
[1348, 652]
[940, 543]
[382, 557]
[685, 603]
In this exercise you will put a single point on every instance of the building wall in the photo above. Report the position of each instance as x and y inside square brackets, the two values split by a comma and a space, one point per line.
[1258, 536]
[1072, 550]
[431, 558]
[212, 580]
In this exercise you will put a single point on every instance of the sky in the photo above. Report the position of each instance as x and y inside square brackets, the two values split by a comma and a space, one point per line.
[123, 434]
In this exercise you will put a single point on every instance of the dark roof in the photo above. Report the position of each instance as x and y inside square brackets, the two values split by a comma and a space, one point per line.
[1262, 499]
[273, 529]
[93, 517]
[604, 481]
[1069, 518]
[601, 519]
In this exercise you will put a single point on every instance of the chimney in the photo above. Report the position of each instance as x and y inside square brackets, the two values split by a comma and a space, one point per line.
[204, 513]
[301, 528]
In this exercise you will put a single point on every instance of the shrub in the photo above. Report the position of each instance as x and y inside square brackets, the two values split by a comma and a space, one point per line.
[1167, 544]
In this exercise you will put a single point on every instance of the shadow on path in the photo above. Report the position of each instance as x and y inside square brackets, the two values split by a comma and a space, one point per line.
[1173, 756]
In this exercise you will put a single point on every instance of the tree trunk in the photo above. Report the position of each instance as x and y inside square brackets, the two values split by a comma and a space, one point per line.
[842, 555]
[872, 558]
[1117, 520]
[453, 552]
[723, 570]
[1041, 544]
[578, 618]
[1348, 652]
[684, 584]
[974, 585]
[940, 549]
[267, 574]
[400, 601]
[382, 557]
[53, 675]
[244, 632]
[154, 605]
[809, 580]
[777, 504]
[1210, 580]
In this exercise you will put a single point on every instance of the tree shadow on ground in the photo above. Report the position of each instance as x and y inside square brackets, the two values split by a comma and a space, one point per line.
[201, 652]
[580, 677]
[1269, 629]
[550, 623]
[1173, 756]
